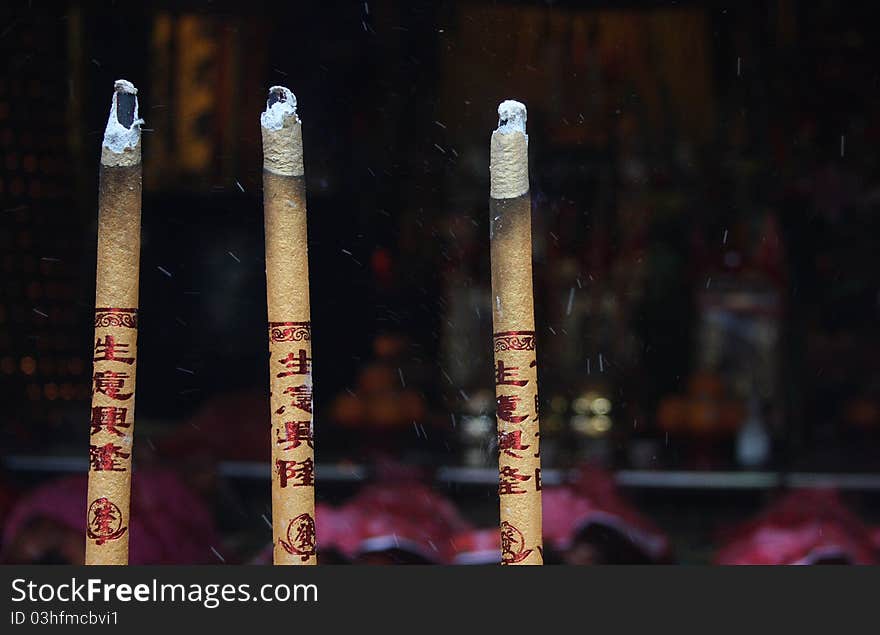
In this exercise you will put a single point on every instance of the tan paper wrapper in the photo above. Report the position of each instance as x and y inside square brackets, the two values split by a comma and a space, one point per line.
[516, 381]
[115, 353]
[290, 370]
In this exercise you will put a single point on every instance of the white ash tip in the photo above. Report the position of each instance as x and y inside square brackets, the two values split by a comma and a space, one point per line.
[119, 137]
[280, 106]
[511, 117]
[125, 86]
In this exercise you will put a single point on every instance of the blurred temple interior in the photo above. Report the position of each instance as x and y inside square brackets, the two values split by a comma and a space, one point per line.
[705, 190]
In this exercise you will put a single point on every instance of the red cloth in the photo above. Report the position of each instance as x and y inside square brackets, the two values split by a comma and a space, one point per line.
[802, 527]
[480, 546]
[169, 524]
[593, 499]
[408, 516]
[336, 529]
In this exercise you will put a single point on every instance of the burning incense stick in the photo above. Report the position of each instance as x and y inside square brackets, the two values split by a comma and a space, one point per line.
[115, 350]
[513, 313]
[290, 332]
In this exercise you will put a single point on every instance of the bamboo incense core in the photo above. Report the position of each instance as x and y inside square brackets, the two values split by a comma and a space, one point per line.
[290, 347]
[111, 432]
[513, 317]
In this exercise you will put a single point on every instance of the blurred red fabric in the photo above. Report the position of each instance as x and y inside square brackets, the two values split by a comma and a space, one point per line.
[169, 524]
[802, 527]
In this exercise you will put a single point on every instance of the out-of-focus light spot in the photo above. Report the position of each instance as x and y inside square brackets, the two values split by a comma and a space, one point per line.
[600, 425]
[601, 406]
[51, 391]
[28, 365]
[580, 424]
[581, 405]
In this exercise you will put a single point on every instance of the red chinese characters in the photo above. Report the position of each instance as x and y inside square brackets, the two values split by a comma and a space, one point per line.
[295, 473]
[511, 442]
[506, 376]
[107, 349]
[510, 481]
[109, 419]
[300, 398]
[295, 434]
[111, 384]
[107, 458]
[295, 364]
[506, 409]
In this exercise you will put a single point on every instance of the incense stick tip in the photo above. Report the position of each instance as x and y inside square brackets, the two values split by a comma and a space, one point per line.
[124, 86]
[122, 135]
[511, 117]
[509, 152]
[280, 106]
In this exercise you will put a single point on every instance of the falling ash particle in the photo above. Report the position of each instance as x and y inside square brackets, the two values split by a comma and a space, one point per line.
[217, 553]
[165, 271]
[570, 301]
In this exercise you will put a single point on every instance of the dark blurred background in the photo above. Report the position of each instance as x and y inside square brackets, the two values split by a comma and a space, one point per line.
[705, 190]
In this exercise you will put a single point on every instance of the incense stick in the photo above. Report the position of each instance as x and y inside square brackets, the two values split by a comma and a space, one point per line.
[513, 317]
[290, 347]
[115, 349]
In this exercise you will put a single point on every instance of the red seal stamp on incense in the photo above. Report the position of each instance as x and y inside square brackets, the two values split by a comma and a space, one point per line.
[300, 537]
[105, 521]
[513, 544]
